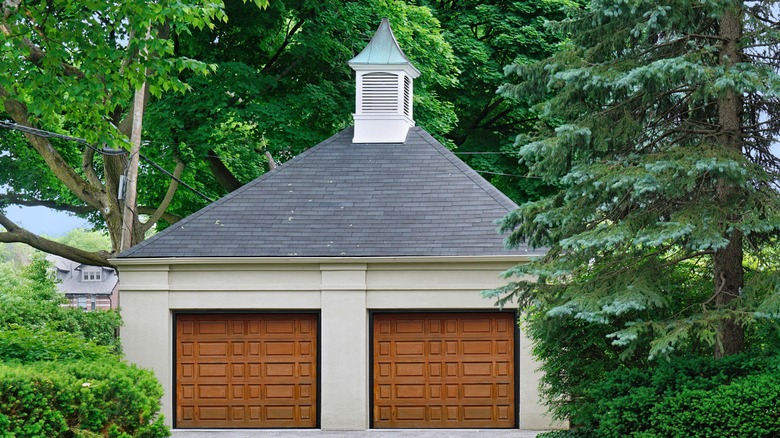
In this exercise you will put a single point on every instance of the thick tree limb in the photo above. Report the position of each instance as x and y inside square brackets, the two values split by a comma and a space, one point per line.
[85, 191]
[174, 184]
[15, 233]
[167, 217]
[224, 177]
[13, 199]
[88, 166]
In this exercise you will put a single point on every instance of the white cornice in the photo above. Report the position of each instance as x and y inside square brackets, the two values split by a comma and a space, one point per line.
[319, 260]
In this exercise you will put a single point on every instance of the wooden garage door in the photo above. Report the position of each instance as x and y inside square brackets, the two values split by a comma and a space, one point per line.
[444, 370]
[246, 370]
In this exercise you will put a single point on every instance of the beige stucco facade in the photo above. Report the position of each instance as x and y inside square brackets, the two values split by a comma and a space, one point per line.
[343, 291]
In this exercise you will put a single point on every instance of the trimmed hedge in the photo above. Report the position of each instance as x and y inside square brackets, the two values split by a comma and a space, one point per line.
[79, 398]
[734, 396]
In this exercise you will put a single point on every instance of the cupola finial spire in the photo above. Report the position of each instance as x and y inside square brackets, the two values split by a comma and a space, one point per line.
[383, 112]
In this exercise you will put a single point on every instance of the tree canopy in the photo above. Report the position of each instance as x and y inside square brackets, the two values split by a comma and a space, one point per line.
[282, 84]
[655, 123]
[72, 67]
[487, 36]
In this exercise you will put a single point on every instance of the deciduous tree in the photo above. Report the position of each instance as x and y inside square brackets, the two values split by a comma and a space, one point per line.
[72, 66]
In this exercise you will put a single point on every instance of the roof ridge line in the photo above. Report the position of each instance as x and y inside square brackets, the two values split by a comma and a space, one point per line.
[469, 172]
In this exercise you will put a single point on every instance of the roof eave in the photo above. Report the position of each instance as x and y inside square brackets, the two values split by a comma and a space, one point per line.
[136, 261]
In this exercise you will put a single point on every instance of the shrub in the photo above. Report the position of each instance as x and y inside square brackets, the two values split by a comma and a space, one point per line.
[20, 344]
[79, 398]
[734, 396]
[32, 301]
[571, 433]
[746, 407]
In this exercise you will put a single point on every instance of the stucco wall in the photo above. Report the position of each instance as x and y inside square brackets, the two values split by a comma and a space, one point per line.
[343, 291]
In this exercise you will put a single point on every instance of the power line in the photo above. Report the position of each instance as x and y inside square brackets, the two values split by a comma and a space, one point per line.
[108, 152]
[48, 134]
[482, 153]
[507, 174]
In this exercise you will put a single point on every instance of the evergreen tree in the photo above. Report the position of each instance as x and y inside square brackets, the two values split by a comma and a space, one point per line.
[656, 123]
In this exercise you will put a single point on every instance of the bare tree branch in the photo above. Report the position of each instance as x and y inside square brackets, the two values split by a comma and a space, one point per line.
[15, 233]
[13, 199]
[85, 191]
[174, 184]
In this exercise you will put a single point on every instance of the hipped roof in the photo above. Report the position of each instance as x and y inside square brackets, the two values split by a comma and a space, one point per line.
[344, 199]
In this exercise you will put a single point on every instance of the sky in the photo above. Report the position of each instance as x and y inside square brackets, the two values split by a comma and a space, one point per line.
[42, 220]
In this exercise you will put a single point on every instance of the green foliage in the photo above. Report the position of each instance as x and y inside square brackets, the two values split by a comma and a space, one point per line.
[735, 396]
[101, 395]
[660, 226]
[486, 36]
[631, 122]
[282, 84]
[570, 433]
[60, 371]
[86, 239]
[20, 344]
[30, 300]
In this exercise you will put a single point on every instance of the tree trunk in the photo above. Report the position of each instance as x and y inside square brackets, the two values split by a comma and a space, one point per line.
[130, 216]
[728, 271]
[729, 280]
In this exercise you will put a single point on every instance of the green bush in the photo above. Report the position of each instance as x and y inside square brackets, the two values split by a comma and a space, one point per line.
[571, 433]
[60, 371]
[31, 300]
[79, 398]
[20, 344]
[734, 396]
[746, 407]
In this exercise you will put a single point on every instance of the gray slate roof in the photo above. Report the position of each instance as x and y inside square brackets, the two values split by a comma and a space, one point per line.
[340, 199]
[69, 273]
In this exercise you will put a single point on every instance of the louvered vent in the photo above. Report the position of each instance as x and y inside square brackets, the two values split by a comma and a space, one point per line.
[407, 96]
[380, 93]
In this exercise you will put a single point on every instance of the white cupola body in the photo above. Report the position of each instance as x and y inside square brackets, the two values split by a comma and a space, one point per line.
[383, 101]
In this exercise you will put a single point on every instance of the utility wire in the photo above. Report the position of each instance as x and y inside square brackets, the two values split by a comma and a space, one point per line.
[109, 152]
[481, 153]
[48, 134]
[507, 174]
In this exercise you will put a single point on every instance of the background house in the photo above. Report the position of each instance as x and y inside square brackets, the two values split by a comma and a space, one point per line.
[87, 287]
[340, 290]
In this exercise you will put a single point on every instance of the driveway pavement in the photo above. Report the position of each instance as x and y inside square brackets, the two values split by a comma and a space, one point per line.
[398, 433]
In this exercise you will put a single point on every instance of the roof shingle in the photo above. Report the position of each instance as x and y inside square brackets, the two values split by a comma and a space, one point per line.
[340, 199]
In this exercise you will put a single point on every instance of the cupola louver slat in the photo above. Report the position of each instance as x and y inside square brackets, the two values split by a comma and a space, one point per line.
[380, 93]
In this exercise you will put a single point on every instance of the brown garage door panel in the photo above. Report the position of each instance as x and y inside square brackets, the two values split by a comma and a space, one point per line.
[246, 370]
[452, 370]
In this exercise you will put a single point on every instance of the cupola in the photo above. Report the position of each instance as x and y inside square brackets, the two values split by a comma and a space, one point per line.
[383, 112]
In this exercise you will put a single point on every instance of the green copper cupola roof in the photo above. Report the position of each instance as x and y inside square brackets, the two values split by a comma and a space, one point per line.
[383, 49]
